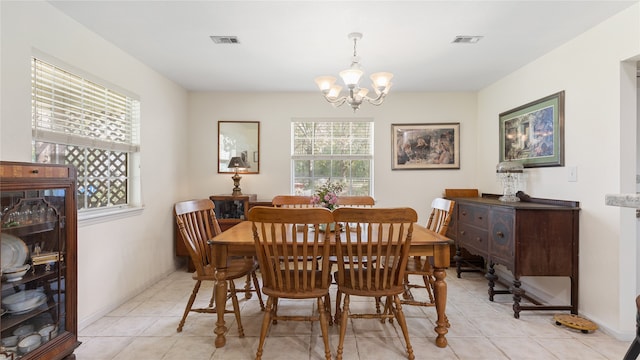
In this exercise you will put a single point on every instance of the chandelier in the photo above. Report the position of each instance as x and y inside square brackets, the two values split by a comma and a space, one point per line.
[351, 77]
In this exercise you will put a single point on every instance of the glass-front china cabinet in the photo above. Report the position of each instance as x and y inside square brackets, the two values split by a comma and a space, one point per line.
[38, 261]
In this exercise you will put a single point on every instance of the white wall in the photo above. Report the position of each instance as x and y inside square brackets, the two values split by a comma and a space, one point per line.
[415, 188]
[598, 141]
[119, 258]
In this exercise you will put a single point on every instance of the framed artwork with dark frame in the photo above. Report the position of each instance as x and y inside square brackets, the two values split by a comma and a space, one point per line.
[425, 146]
[534, 133]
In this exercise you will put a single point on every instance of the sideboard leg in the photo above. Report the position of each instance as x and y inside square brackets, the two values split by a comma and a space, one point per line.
[518, 292]
[492, 277]
[458, 259]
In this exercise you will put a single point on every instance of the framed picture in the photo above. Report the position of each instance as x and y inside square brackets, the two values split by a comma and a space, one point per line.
[534, 133]
[425, 146]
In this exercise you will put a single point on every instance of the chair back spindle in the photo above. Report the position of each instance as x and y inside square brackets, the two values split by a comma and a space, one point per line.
[440, 217]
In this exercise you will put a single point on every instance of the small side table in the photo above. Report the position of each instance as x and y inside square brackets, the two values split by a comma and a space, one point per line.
[634, 349]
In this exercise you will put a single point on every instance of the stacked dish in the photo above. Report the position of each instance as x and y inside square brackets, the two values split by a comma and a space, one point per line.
[15, 273]
[14, 252]
[24, 301]
[23, 330]
[29, 343]
[10, 343]
[48, 331]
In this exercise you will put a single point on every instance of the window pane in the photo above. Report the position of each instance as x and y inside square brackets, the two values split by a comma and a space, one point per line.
[361, 169]
[340, 169]
[302, 146]
[302, 168]
[303, 186]
[322, 168]
[340, 151]
[360, 186]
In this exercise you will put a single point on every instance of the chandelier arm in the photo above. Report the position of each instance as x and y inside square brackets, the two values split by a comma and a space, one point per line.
[335, 101]
[377, 101]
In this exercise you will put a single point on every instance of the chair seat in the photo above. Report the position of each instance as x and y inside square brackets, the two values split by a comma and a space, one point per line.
[382, 290]
[237, 268]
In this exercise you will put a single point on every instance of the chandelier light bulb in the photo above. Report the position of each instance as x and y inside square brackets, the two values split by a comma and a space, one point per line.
[334, 92]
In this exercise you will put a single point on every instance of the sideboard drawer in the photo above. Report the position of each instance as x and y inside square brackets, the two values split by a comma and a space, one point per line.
[473, 239]
[473, 215]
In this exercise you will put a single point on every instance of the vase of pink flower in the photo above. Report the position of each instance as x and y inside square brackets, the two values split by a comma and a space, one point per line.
[326, 195]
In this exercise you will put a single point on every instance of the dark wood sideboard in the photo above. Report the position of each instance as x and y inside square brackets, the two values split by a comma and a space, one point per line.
[532, 237]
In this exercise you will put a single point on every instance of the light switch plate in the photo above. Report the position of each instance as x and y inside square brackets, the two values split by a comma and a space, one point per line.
[572, 173]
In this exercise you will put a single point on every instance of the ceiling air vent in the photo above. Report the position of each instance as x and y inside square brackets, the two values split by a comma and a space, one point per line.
[463, 39]
[225, 39]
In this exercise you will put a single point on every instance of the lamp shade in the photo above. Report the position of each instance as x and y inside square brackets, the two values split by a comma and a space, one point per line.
[351, 76]
[325, 83]
[236, 163]
[509, 167]
[381, 80]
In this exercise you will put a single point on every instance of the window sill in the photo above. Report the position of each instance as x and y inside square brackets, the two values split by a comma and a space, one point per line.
[100, 216]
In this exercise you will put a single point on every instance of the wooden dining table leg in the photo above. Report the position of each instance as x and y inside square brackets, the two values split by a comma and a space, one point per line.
[440, 292]
[221, 294]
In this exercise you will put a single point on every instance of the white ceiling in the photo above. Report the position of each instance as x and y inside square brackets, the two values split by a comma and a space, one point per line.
[284, 45]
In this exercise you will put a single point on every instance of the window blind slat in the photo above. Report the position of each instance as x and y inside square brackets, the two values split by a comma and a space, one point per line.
[76, 111]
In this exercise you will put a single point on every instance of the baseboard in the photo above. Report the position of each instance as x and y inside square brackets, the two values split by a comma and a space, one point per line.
[507, 277]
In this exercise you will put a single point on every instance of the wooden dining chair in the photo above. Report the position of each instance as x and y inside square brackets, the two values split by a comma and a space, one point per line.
[292, 201]
[441, 211]
[455, 193]
[197, 223]
[373, 232]
[295, 234]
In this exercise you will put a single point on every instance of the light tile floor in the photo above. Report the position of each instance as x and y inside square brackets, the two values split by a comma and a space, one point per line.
[144, 328]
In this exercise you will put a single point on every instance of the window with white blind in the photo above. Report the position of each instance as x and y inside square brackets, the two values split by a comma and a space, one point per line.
[93, 127]
[336, 150]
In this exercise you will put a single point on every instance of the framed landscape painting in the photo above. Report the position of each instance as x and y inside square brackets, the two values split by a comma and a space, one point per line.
[534, 133]
[425, 146]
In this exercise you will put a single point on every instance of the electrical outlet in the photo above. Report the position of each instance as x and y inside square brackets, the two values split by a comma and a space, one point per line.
[572, 173]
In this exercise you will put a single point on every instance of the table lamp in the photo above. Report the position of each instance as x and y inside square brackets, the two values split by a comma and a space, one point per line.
[237, 164]
[510, 173]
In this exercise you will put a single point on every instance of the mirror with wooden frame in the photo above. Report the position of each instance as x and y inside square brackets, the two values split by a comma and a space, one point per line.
[239, 139]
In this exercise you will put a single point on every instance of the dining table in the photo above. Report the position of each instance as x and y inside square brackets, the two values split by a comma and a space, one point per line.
[238, 241]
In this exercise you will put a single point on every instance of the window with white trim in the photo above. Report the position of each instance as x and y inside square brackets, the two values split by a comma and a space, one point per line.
[79, 122]
[336, 150]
